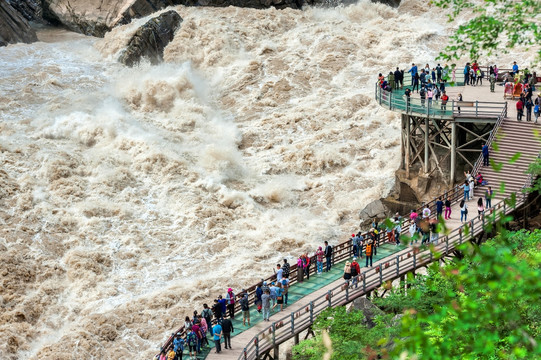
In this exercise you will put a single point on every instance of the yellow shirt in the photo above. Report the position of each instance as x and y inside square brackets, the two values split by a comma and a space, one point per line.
[171, 355]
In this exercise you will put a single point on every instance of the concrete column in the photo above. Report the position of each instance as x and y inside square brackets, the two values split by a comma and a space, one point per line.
[426, 146]
[453, 152]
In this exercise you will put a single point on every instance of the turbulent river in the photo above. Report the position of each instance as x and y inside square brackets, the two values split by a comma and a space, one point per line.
[130, 196]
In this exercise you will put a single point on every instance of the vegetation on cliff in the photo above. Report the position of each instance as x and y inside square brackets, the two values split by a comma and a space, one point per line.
[483, 306]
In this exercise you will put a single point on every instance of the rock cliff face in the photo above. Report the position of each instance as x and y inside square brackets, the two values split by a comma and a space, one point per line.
[96, 17]
[151, 38]
[13, 26]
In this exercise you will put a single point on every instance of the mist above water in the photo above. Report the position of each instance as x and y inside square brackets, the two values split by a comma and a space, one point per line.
[130, 196]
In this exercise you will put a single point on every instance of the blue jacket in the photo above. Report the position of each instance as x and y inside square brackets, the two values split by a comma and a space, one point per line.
[178, 344]
[258, 293]
[485, 150]
[413, 70]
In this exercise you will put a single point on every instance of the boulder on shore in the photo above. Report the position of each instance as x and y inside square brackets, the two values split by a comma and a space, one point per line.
[370, 311]
[14, 28]
[375, 209]
[151, 38]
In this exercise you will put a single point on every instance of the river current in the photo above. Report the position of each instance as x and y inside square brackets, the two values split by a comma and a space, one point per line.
[130, 196]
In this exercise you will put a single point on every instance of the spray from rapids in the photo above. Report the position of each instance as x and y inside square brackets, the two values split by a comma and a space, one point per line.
[131, 196]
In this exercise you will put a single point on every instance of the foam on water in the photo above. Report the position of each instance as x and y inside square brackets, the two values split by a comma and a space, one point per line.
[131, 196]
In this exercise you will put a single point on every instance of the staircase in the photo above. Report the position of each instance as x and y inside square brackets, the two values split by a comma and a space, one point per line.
[512, 137]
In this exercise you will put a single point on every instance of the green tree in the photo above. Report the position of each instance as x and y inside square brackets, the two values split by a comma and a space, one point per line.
[495, 26]
[491, 309]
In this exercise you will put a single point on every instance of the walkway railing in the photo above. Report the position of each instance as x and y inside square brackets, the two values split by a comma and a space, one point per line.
[396, 100]
[287, 327]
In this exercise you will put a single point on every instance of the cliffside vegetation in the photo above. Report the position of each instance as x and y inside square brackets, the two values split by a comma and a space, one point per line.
[484, 306]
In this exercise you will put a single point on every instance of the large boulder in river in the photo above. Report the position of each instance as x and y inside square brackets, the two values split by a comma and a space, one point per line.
[151, 38]
[13, 26]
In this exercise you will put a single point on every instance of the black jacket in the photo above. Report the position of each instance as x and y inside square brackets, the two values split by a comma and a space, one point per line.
[227, 326]
[328, 251]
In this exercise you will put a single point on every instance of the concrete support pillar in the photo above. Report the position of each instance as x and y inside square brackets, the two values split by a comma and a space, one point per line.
[296, 339]
[427, 169]
[276, 352]
[453, 153]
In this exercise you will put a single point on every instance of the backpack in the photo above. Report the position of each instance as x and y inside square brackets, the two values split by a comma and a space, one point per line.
[368, 249]
[536, 109]
[353, 270]
[191, 338]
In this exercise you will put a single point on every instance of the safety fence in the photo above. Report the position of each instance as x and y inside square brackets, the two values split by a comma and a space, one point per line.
[406, 261]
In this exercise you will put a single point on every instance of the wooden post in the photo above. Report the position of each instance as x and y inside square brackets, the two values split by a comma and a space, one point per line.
[292, 323]
[311, 312]
[453, 152]
[257, 347]
[296, 339]
[426, 146]
[397, 266]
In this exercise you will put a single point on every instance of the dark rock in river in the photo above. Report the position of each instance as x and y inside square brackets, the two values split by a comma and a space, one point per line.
[151, 38]
[32, 10]
[14, 27]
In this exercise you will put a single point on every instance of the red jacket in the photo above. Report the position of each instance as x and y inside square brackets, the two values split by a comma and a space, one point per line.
[520, 105]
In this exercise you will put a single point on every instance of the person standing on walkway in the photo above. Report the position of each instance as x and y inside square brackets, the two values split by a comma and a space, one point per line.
[266, 302]
[492, 80]
[223, 304]
[537, 110]
[273, 294]
[279, 297]
[439, 208]
[191, 339]
[467, 74]
[178, 346]
[319, 260]
[227, 327]
[217, 331]
[230, 298]
[203, 327]
[258, 294]
[484, 151]
[447, 209]
[480, 206]
[286, 268]
[413, 72]
[515, 68]
[368, 251]
[328, 255]
[285, 288]
[529, 106]
[398, 79]
[520, 109]
[355, 271]
[245, 307]
[466, 188]
[217, 309]
[444, 99]
[463, 211]
[207, 314]
[279, 272]
[426, 212]
[488, 197]
[347, 272]
[307, 264]
[353, 244]
[197, 329]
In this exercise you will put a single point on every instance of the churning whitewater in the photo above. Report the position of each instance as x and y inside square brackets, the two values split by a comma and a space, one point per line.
[130, 196]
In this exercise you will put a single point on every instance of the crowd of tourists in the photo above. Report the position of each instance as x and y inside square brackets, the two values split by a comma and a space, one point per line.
[523, 85]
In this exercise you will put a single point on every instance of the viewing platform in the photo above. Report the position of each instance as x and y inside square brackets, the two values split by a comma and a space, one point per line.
[483, 118]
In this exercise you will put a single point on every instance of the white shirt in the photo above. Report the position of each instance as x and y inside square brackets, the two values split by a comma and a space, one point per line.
[279, 275]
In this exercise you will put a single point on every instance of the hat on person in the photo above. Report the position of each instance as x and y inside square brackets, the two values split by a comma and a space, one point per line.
[264, 283]
[320, 248]
[354, 259]
[352, 235]
[229, 290]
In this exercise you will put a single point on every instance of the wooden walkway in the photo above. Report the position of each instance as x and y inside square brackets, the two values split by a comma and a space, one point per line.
[283, 326]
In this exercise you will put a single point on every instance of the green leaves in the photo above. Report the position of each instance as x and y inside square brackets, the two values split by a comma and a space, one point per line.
[515, 157]
[496, 26]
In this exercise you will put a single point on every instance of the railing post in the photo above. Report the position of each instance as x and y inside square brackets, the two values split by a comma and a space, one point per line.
[364, 281]
[483, 218]
[476, 107]
[381, 273]
[453, 106]
[292, 323]
[329, 297]
[414, 260]
[379, 90]
[347, 291]
[472, 228]
[257, 347]
[311, 312]
[504, 208]
[273, 334]
[397, 266]
[390, 100]
[460, 237]
[447, 245]
[245, 354]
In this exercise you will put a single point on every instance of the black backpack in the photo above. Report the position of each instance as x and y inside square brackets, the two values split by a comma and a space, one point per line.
[353, 270]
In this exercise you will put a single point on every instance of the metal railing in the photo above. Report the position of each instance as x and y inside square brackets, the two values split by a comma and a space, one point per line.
[294, 323]
[437, 108]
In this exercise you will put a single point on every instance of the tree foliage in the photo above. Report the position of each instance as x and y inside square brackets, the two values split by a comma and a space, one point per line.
[496, 25]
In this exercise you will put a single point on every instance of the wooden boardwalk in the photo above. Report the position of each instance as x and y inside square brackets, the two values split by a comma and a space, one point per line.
[403, 260]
